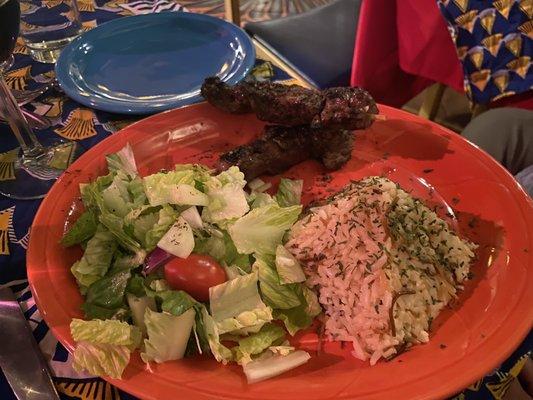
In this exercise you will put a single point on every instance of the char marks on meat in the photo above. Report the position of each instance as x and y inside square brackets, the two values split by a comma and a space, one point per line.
[337, 108]
[346, 108]
[231, 99]
[309, 123]
[284, 105]
[281, 147]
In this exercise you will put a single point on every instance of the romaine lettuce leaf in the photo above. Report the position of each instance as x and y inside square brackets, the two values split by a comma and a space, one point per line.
[225, 203]
[138, 306]
[106, 296]
[149, 224]
[246, 322]
[289, 192]
[258, 200]
[167, 335]
[236, 305]
[231, 175]
[275, 294]
[158, 285]
[220, 352]
[294, 319]
[106, 332]
[227, 198]
[116, 197]
[124, 161]
[176, 187]
[136, 191]
[176, 302]
[289, 300]
[101, 359]
[103, 347]
[91, 193]
[231, 298]
[136, 286]
[83, 229]
[313, 306]
[117, 227]
[220, 246]
[126, 261]
[257, 343]
[271, 365]
[288, 267]
[262, 229]
[96, 259]
[92, 311]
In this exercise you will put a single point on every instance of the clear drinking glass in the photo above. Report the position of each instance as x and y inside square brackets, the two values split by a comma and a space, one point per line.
[34, 166]
[47, 26]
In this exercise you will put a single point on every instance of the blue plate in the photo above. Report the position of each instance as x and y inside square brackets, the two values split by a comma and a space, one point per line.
[154, 62]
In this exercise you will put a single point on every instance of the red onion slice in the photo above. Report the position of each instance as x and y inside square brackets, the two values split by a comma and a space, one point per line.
[155, 259]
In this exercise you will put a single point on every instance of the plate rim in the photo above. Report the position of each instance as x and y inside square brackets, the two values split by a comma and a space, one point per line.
[457, 382]
[121, 107]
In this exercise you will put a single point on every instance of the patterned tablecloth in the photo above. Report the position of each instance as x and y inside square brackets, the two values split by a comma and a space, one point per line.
[88, 127]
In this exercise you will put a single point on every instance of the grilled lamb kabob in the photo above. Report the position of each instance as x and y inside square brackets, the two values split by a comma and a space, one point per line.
[314, 124]
[335, 108]
[281, 147]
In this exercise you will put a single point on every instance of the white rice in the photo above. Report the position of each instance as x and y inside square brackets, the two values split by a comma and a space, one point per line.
[374, 252]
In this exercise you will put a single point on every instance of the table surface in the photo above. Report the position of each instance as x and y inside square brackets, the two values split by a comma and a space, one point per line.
[88, 127]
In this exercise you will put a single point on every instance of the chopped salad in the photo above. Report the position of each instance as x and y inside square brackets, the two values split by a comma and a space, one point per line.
[150, 246]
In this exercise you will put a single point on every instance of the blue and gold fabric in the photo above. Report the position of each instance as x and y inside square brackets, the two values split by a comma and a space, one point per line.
[88, 127]
[494, 41]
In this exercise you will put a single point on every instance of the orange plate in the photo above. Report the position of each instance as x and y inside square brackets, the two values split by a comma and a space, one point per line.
[480, 198]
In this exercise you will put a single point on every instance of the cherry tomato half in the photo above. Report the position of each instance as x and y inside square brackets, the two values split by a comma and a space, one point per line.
[195, 275]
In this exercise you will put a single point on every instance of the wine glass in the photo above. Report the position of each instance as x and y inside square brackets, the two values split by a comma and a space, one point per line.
[36, 164]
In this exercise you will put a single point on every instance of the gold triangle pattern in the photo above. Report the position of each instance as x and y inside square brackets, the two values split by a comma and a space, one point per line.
[79, 125]
[467, 20]
[88, 25]
[51, 3]
[501, 79]
[86, 5]
[527, 28]
[462, 4]
[476, 55]
[17, 78]
[480, 79]
[526, 6]
[499, 389]
[461, 52]
[7, 164]
[487, 18]
[6, 224]
[492, 43]
[96, 390]
[20, 47]
[513, 43]
[520, 66]
[504, 7]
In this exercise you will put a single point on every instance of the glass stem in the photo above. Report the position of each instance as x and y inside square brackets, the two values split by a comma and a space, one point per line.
[31, 148]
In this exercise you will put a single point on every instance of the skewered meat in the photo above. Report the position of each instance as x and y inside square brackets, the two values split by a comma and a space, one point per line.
[336, 108]
[281, 147]
[284, 105]
[346, 108]
[231, 99]
[332, 147]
